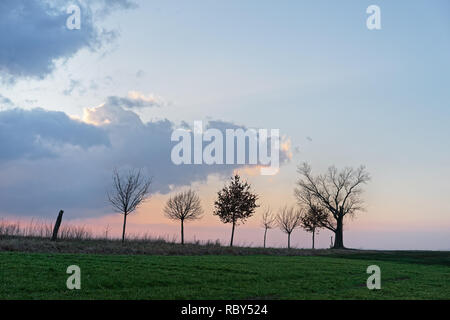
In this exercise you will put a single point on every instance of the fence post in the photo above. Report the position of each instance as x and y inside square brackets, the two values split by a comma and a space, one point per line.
[57, 225]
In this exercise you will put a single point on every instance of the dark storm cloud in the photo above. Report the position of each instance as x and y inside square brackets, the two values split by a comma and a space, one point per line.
[38, 133]
[33, 34]
[69, 166]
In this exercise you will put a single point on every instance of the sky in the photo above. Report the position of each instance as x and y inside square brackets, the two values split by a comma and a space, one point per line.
[74, 104]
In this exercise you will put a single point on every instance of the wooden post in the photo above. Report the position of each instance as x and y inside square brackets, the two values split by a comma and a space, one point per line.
[57, 225]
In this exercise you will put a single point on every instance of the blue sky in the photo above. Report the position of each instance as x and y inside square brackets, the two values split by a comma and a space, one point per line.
[341, 93]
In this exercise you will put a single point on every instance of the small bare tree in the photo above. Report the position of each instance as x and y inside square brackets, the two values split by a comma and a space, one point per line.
[129, 192]
[184, 206]
[288, 219]
[107, 229]
[268, 222]
[312, 220]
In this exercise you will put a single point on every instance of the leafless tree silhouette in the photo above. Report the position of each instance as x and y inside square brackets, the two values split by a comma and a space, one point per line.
[337, 192]
[288, 219]
[235, 202]
[129, 192]
[184, 206]
[312, 219]
[268, 222]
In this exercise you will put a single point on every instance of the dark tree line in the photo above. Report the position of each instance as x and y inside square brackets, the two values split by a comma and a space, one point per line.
[323, 200]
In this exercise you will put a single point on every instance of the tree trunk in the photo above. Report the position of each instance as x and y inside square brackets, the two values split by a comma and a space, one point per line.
[182, 232]
[265, 233]
[289, 240]
[124, 225]
[57, 225]
[339, 234]
[232, 234]
[313, 234]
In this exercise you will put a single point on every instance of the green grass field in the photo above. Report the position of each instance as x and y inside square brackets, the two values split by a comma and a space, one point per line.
[405, 275]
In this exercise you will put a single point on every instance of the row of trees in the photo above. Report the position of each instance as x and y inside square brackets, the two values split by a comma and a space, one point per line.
[323, 201]
[287, 219]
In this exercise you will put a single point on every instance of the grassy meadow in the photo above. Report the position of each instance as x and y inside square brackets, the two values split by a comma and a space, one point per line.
[215, 272]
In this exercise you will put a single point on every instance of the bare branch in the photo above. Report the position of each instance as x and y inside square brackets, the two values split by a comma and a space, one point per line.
[288, 219]
[268, 219]
[184, 206]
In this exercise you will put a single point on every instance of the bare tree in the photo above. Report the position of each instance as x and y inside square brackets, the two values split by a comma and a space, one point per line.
[129, 192]
[107, 229]
[184, 206]
[288, 219]
[235, 202]
[337, 192]
[268, 222]
[312, 220]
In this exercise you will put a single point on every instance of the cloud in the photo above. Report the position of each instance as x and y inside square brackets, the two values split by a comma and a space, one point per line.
[74, 84]
[285, 142]
[34, 34]
[135, 100]
[140, 74]
[61, 163]
[37, 133]
[5, 102]
[105, 7]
